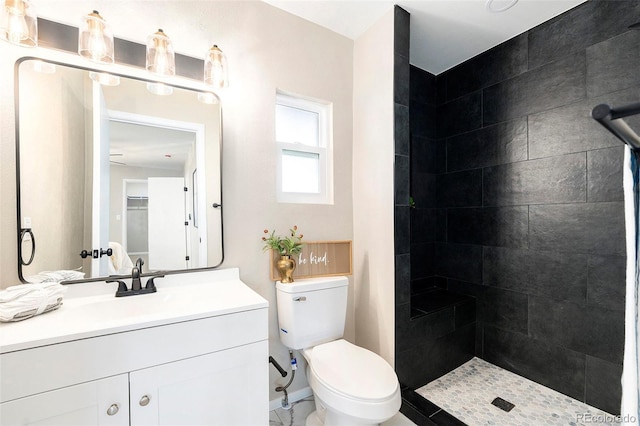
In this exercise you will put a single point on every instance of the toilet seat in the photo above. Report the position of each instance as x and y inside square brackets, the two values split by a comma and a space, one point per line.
[353, 372]
[353, 381]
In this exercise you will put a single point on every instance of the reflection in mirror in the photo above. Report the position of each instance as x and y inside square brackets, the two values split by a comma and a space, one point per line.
[115, 173]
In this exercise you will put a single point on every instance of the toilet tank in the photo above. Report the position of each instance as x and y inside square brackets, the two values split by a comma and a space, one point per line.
[311, 311]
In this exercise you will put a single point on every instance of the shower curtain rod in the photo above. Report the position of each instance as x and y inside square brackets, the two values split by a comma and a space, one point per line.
[612, 120]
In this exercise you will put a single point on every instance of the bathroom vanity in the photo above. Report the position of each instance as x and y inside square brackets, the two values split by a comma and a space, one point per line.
[194, 353]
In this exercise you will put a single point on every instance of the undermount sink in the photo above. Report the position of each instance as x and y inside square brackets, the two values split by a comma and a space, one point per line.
[91, 309]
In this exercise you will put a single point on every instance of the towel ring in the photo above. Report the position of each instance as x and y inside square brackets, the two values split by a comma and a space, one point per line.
[23, 233]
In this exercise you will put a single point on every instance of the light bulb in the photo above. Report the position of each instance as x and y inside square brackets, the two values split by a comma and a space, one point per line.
[215, 68]
[95, 40]
[19, 23]
[160, 55]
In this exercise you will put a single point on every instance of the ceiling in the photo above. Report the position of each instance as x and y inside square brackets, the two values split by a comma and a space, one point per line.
[140, 145]
[444, 33]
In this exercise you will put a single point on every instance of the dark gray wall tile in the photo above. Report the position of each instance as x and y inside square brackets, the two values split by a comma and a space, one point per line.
[604, 174]
[402, 235]
[425, 327]
[458, 261]
[460, 115]
[401, 79]
[553, 85]
[463, 287]
[560, 276]
[441, 88]
[612, 64]
[604, 389]
[401, 29]
[429, 359]
[460, 189]
[465, 313]
[423, 120]
[423, 86]
[595, 228]
[401, 130]
[553, 366]
[596, 332]
[503, 309]
[402, 278]
[579, 28]
[498, 144]
[428, 155]
[428, 225]
[504, 61]
[549, 180]
[422, 260]
[606, 283]
[571, 129]
[489, 226]
[423, 189]
[401, 180]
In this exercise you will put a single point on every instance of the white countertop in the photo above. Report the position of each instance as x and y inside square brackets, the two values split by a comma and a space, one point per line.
[91, 309]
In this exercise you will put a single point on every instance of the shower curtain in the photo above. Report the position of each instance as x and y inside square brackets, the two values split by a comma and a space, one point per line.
[631, 369]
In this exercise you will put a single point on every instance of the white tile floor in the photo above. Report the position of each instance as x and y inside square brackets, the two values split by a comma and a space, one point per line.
[467, 392]
[299, 411]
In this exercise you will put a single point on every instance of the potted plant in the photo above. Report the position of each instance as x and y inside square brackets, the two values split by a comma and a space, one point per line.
[286, 247]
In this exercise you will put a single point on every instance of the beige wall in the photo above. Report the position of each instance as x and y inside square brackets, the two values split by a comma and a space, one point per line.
[373, 188]
[267, 49]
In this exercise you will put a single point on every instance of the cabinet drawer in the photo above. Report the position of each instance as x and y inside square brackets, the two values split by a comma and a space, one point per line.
[41, 369]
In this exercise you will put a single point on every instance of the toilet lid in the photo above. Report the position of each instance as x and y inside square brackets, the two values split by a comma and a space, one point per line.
[353, 371]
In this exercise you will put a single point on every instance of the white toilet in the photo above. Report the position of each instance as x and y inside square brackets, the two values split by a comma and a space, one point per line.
[352, 385]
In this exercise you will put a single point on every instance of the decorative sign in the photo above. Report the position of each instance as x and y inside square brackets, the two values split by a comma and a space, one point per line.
[319, 258]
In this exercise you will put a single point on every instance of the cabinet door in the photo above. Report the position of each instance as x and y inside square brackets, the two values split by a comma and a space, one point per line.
[102, 402]
[227, 388]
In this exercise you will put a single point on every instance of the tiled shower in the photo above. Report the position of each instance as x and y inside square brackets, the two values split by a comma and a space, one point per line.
[509, 214]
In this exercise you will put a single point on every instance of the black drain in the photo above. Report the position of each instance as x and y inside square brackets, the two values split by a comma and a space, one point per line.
[502, 404]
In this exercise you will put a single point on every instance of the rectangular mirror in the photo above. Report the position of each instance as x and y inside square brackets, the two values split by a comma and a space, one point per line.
[108, 174]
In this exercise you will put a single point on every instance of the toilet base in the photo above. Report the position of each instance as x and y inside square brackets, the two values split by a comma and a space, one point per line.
[325, 417]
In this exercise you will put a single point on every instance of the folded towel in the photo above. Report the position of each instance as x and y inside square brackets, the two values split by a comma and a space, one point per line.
[56, 276]
[23, 301]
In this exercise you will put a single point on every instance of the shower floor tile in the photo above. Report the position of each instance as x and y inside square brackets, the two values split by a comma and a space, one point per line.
[467, 393]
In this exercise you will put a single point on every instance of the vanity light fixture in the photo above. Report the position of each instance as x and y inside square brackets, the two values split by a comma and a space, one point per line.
[95, 40]
[19, 23]
[216, 73]
[160, 56]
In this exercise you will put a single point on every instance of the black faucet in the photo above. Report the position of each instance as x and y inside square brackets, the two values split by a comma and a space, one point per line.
[135, 275]
[136, 284]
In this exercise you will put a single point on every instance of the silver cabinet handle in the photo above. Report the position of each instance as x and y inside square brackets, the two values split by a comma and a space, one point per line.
[144, 401]
[300, 299]
[113, 410]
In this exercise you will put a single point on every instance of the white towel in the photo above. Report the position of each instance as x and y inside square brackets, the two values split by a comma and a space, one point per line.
[23, 301]
[55, 276]
[120, 261]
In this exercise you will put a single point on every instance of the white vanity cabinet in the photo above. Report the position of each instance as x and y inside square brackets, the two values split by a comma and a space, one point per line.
[203, 364]
[102, 402]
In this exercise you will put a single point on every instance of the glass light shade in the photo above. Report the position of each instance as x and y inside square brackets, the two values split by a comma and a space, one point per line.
[159, 89]
[104, 78]
[208, 98]
[160, 57]
[19, 23]
[95, 39]
[216, 72]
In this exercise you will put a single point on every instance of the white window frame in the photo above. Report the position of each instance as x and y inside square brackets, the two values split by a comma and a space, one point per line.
[323, 150]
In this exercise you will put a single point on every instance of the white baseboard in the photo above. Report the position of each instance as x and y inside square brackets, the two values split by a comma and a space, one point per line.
[293, 397]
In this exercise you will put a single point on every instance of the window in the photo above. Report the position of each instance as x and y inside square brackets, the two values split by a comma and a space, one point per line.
[303, 140]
